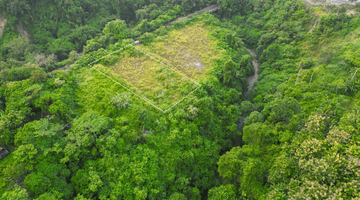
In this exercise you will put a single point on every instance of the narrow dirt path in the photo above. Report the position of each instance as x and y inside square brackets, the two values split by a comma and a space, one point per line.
[211, 9]
[64, 68]
[313, 26]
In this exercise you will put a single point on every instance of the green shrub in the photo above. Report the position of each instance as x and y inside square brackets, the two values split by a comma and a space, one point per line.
[147, 38]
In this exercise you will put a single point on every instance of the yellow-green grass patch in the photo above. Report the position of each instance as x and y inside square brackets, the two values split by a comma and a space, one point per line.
[190, 51]
[148, 78]
[167, 70]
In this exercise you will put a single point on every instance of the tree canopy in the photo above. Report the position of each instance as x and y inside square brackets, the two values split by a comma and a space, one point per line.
[73, 133]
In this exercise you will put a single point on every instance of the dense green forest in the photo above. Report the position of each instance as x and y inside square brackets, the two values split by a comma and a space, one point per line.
[74, 134]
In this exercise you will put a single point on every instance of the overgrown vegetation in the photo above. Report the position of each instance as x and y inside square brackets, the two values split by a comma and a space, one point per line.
[190, 51]
[59, 27]
[147, 77]
[76, 135]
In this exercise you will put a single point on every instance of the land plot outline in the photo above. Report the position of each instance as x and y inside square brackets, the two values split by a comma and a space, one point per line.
[146, 77]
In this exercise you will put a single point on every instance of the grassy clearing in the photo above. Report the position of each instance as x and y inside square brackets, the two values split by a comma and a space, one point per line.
[187, 53]
[148, 78]
[191, 51]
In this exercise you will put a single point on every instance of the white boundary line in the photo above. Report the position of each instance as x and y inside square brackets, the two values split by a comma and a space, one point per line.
[128, 89]
[166, 65]
[182, 99]
[145, 99]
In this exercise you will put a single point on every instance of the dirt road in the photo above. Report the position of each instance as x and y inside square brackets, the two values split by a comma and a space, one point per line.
[211, 9]
[332, 2]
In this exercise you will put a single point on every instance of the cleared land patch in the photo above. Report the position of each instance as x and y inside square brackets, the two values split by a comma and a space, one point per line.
[190, 50]
[167, 70]
[146, 77]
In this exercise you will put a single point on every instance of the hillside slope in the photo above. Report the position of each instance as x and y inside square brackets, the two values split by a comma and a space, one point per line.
[76, 135]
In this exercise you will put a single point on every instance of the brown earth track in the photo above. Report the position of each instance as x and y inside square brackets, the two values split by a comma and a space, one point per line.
[211, 9]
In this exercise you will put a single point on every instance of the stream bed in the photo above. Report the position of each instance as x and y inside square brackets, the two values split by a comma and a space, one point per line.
[253, 78]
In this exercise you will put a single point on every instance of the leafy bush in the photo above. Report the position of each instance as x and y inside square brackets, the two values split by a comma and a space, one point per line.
[147, 38]
[121, 101]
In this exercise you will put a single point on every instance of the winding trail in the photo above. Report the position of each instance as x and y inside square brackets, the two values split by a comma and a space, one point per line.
[313, 26]
[211, 9]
